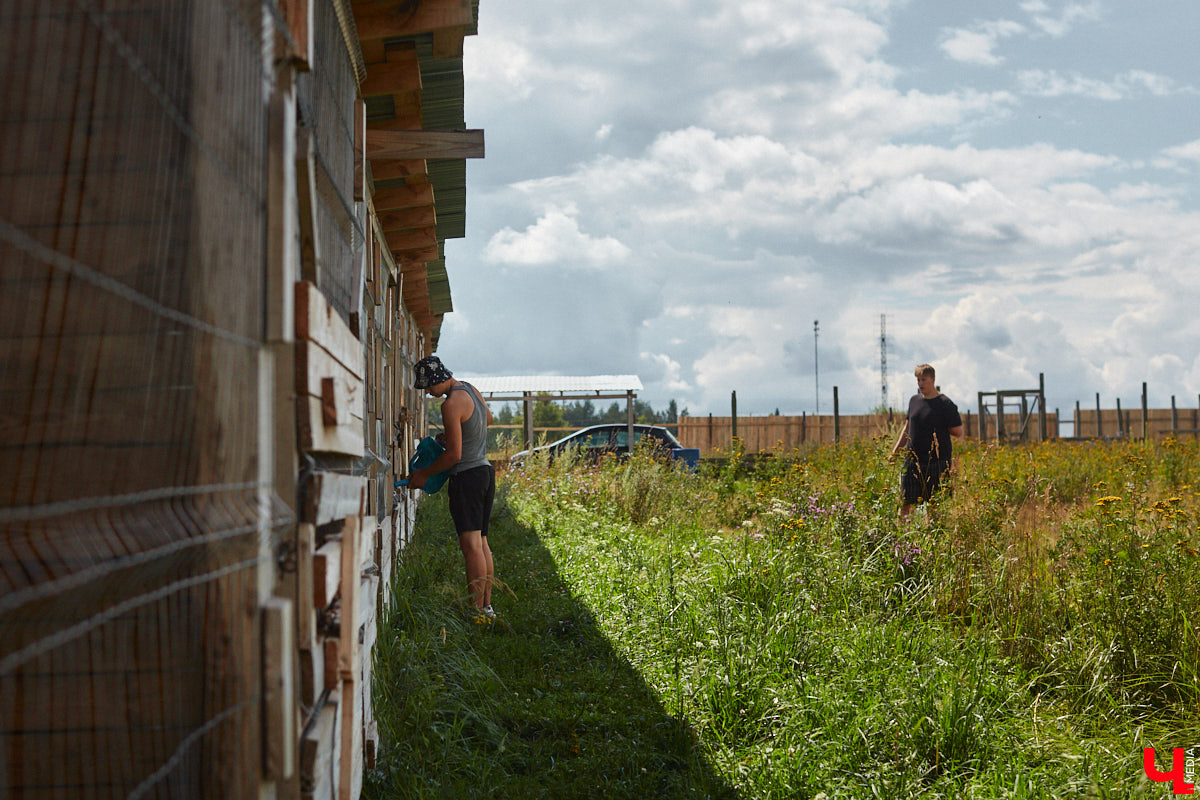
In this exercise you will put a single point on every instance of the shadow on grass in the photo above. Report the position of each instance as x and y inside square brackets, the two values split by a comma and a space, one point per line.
[539, 705]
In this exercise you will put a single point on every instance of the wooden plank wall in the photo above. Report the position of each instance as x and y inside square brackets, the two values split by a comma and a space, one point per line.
[353, 399]
[351, 531]
[356, 421]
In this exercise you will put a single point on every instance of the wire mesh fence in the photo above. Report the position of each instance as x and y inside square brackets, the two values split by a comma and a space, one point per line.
[132, 224]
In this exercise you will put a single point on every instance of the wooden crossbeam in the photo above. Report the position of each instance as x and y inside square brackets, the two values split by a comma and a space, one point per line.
[401, 73]
[407, 218]
[399, 18]
[414, 239]
[425, 144]
[398, 197]
[417, 255]
[382, 170]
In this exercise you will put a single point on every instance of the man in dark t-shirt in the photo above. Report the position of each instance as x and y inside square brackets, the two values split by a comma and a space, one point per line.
[932, 422]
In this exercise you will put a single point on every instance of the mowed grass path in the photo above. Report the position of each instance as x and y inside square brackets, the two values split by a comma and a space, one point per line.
[541, 705]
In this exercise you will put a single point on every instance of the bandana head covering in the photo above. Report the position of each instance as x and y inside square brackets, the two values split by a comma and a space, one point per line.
[430, 371]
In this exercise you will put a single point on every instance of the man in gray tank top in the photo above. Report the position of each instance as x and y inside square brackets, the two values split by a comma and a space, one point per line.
[472, 486]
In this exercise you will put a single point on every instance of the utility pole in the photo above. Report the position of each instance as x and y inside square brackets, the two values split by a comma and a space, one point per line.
[816, 366]
[883, 387]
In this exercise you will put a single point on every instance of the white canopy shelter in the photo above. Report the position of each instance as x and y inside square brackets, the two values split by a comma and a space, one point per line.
[526, 388]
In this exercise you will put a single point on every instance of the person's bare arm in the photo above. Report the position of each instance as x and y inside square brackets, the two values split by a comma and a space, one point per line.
[901, 440]
[452, 420]
[956, 431]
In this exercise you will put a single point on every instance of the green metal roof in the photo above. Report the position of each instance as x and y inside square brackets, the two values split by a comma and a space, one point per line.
[442, 89]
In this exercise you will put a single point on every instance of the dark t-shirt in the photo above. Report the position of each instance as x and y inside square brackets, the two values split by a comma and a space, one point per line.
[929, 424]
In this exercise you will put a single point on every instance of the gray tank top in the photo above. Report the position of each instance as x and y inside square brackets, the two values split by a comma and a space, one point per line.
[474, 434]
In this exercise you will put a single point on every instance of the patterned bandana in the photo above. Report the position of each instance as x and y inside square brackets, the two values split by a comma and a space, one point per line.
[430, 371]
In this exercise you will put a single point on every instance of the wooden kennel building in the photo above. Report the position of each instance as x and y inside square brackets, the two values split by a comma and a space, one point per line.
[222, 232]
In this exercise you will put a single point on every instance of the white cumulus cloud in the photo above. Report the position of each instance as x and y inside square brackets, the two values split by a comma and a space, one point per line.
[977, 45]
[554, 239]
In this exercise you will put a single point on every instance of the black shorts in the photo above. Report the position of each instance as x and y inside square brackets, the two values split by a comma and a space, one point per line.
[923, 478]
[471, 495]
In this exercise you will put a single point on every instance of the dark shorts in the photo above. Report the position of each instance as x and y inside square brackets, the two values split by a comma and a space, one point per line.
[471, 495]
[923, 478]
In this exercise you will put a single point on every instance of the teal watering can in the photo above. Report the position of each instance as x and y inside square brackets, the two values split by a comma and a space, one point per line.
[428, 449]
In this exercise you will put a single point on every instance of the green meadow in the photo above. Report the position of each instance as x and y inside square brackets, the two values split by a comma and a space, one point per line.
[769, 628]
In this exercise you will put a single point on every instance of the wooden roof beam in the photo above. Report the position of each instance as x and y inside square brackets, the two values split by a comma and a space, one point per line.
[389, 170]
[410, 196]
[407, 219]
[411, 240]
[400, 73]
[425, 144]
[417, 254]
[400, 18]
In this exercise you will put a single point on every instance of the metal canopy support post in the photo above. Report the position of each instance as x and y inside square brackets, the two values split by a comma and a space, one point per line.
[528, 421]
[629, 418]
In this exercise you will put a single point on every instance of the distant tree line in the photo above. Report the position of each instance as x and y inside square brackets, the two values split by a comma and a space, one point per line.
[549, 413]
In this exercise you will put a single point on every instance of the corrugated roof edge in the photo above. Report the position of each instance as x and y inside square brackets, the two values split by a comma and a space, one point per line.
[520, 384]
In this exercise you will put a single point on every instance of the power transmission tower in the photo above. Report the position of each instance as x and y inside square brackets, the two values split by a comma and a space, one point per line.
[883, 387]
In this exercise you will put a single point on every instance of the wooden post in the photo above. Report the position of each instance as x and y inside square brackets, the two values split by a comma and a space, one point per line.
[1145, 412]
[710, 431]
[733, 412]
[1099, 426]
[1000, 417]
[1075, 423]
[1174, 415]
[837, 420]
[983, 431]
[1042, 406]
[1120, 420]
[803, 427]
[279, 697]
[528, 421]
[629, 418]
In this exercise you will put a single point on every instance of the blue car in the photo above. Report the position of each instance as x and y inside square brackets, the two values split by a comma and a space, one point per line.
[613, 438]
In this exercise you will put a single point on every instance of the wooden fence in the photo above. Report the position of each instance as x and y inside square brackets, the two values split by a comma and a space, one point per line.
[763, 434]
[1112, 423]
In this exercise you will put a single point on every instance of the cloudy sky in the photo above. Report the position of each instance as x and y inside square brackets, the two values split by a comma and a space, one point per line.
[679, 188]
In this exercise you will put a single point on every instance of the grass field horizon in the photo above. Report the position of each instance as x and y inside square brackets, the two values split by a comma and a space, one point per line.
[777, 631]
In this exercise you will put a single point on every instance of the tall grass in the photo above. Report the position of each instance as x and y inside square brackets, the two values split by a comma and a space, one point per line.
[1025, 638]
